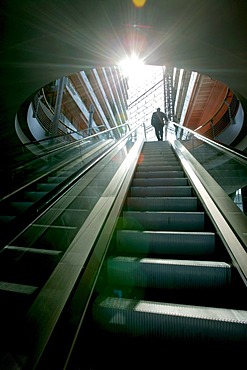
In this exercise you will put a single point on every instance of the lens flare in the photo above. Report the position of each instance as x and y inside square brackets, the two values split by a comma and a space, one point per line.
[132, 67]
[139, 3]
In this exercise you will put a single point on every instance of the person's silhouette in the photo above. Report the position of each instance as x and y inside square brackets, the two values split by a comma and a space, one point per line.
[158, 121]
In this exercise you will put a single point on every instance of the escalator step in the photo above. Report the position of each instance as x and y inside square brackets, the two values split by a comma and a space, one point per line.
[158, 167]
[46, 186]
[161, 191]
[171, 181]
[161, 204]
[165, 242]
[160, 221]
[34, 195]
[17, 288]
[4, 220]
[17, 207]
[170, 321]
[56, 179]
[168, 273]
[21, 250]
[17, 264]
[158, 174]
[157, 161]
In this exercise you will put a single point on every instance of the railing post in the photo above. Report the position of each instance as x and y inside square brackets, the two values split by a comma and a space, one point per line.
[229, 111]
[58, 105]
[90, 121]
[145, 134]
[212, 128]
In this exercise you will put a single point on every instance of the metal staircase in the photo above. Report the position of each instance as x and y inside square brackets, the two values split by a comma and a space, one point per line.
[167, 284]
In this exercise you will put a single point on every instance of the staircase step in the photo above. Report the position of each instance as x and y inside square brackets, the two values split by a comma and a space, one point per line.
[171, 181]
[28, 265]
[67, 218]
[17, 288]
[159, 174]
[160, 160]
[46, 186]
[161, 191]
[4, 220]
[180, 221]
[168, 273]
[162, 203]
[32, 251]
[156, 167]
[165, 243]
[56, 179]
[47, 237]
[14, 208]
[139, 318]
[34, 195]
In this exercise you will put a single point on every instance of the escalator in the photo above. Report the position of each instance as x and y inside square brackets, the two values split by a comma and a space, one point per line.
[127, 264]
[34, 251]
[37, 182]
[168, 291]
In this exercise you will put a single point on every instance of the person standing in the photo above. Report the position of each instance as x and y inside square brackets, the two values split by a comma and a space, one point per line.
[176, 120]
[158, 121]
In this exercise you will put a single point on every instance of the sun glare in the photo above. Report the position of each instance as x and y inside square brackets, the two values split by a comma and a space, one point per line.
[132, 68]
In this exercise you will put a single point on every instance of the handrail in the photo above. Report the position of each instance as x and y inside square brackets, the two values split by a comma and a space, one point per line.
[63, 188]
[48, 199]
[228, 219]
[63, 145]
[28, 163]
[77, 141]
[242, 157]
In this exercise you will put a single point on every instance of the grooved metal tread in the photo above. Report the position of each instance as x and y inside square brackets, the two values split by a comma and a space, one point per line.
[159, 174]
[166, 242]
[157, 191]
[168, 273]
[172, 321]
[162, 203]
[181, 221]
[177, 181]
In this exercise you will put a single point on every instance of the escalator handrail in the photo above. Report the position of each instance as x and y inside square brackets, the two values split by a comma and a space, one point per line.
[51, 197]
[240, 156]
[62, 145]
[60, 190]
[225, 207]
[56, 151]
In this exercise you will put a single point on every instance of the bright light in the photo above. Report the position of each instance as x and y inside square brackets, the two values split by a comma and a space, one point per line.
[133, 68]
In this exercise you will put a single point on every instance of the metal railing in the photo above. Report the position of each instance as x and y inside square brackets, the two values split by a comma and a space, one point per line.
[38, 158]
[221, 119]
